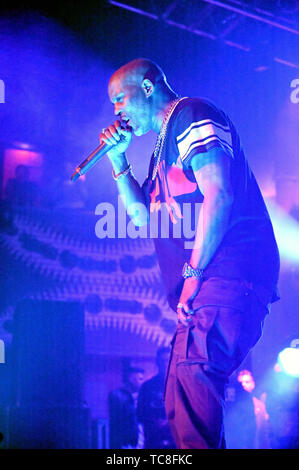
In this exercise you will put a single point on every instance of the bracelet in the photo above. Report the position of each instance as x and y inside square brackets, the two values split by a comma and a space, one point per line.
[188, 271]
[122, 173]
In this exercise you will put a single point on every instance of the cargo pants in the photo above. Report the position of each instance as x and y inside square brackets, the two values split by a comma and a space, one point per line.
[227, 322]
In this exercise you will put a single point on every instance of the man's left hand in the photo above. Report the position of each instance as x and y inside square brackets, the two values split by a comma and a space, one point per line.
[189, 292]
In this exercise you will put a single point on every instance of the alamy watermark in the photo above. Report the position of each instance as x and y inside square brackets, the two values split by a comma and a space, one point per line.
[160, 220]
[2, 91]
[294, 96]
[295, 343]
[2, 352]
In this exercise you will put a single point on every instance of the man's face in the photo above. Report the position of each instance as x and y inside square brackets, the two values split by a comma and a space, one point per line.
[130, 103]
[247, 382]
[136, 380]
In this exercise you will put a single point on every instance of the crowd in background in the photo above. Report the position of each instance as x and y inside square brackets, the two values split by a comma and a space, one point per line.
[255, 418]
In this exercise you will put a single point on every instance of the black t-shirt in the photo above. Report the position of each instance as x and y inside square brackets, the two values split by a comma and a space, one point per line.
[248, 249]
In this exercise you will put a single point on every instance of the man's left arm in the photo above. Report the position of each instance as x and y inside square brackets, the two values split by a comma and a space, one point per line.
[212, 173]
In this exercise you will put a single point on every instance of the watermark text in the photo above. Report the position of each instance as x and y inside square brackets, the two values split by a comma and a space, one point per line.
[294, 97]
[159, 220]
[2, 352]
[2, 91]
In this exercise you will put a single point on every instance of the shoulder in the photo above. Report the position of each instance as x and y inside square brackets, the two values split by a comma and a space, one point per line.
[198, 110]
[149, 384]
[200, 126]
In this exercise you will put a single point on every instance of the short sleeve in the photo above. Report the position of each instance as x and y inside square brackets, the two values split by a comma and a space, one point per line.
[200, 126]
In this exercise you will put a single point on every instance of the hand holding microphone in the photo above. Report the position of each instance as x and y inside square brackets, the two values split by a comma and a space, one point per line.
[114, 141]
[119, 136]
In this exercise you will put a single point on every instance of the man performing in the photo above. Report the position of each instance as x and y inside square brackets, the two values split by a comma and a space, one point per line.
[221, 286]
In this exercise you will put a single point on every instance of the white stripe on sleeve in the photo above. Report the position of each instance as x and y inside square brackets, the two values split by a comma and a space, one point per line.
[201, 133]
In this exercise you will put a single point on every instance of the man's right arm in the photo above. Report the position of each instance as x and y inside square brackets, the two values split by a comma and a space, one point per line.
[128, 187]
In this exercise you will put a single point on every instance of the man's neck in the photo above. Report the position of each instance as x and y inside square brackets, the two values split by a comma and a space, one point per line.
[161, 110]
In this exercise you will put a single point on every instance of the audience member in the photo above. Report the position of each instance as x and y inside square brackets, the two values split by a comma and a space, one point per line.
[124, 429]
[151, 410]
[22, 191]
[247, 381]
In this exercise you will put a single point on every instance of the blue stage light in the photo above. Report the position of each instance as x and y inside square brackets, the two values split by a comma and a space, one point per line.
[288, 360]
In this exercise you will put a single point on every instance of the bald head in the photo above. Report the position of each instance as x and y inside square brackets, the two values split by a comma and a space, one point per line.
[138, 70]
[140, 94]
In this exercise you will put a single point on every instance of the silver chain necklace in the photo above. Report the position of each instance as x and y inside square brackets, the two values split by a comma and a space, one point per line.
[162, 134]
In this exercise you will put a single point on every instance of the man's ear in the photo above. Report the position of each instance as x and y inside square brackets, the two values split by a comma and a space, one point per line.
[147, 86]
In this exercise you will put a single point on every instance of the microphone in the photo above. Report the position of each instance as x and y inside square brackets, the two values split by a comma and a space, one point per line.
[91, 160]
